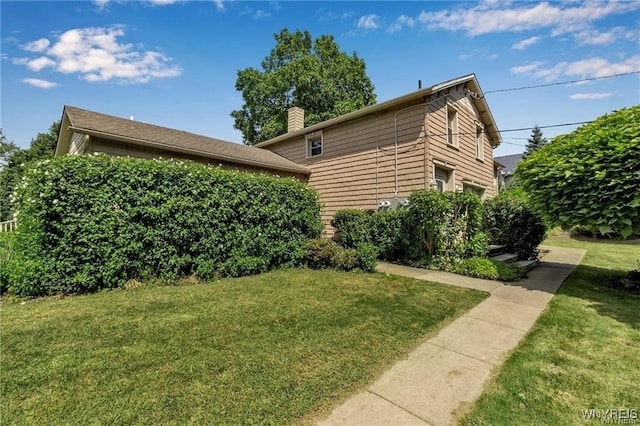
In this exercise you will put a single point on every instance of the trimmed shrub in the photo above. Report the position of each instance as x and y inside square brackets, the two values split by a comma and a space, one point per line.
[92, 222]
[353, 227]
[480, 267]
[385, 230]
[590, 176]
[477, 267]
[367, 255]
[510, 221]
[446, 226]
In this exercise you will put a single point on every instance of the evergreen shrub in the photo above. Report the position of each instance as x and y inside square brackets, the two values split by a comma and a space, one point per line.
[93, 222]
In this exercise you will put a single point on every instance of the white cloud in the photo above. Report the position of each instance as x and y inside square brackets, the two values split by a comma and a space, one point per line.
[594, 37]
[101, 3]
[43, 84]
[401, 22]
[523, 44]
[589, 68]
[36, 64]
[260, 14]
[495, 17]
[37, 45]
[368, 22]
[162, 2]
[524, 69]
[97, 55]
[219, 4]
[590, 96]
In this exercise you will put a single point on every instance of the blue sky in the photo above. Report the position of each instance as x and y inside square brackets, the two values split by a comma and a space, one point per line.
[174, 63]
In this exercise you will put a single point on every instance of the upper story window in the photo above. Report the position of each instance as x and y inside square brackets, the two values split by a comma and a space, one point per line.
[314, 144]
[479, 142]
[452, 125]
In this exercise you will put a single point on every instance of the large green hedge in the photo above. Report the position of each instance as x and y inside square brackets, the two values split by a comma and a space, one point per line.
[91, 222]
[589, 177]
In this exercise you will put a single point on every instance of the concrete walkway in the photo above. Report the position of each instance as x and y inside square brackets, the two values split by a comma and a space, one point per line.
[449, 371]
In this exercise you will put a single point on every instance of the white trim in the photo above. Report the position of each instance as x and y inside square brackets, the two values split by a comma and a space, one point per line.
[479, 144]
[444, 164]
[455, 127]
[309, 139]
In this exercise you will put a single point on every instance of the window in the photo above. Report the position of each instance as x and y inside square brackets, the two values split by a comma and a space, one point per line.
[442, 179]
[473, 188]
[452, 126]
[314, 144]
[479, 142]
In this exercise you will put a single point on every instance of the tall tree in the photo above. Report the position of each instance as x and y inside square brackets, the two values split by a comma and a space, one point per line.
[42, 146]
[299, 71]
[535, 142]
[7, 148]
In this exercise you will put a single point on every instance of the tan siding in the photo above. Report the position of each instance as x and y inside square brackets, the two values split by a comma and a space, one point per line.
[358, 166]
[78, 143]
[121, 149]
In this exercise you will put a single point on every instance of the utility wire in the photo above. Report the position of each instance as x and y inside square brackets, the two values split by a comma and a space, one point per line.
[561, 83]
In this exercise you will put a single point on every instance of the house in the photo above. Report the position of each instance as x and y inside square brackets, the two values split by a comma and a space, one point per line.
[441, 137]
[87, 132]
[506, 174]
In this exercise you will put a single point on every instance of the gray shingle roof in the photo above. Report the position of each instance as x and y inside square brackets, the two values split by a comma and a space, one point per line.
[509, 162]
[116, 128]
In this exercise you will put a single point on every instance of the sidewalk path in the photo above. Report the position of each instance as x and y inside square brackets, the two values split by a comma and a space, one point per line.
[451, 369]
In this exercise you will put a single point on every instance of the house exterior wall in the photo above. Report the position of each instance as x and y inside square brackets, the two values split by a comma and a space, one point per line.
[123, 149]
[359, 167]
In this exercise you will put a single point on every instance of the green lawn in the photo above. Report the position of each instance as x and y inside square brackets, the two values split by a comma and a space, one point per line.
[582, 354]
[283, 347]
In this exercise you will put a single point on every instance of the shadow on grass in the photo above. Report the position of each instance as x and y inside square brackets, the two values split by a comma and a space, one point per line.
[592, 284]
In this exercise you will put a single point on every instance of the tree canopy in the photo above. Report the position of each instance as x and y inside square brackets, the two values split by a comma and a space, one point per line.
[590, 176]
[14, 159]
[299, 71]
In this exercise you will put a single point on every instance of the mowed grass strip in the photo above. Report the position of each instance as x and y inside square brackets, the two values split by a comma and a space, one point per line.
[277, 348]
[582, 354]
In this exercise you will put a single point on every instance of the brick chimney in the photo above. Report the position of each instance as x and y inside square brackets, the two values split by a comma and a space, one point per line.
[295, 120]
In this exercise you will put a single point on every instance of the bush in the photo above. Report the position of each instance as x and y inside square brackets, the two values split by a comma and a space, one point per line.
[7, 240]
[590, 176]
[352, 227]
[323, 253]
[480, 267]
[92, 222]
[445, 226]
[385, 230]
[511, 222]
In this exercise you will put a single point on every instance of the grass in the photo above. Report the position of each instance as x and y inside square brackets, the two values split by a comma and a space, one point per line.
[279, 348]
[582, 354]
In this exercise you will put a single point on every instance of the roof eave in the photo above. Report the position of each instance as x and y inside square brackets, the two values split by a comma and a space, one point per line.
[244, 161]
[494, 134]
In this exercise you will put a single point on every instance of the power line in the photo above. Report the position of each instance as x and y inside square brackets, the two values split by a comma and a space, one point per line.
[546, 127]
[561, 83]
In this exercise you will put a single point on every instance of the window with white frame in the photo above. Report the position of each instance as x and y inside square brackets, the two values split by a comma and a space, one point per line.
[314, 144]
[452, 125]
[442, 179]
[479, 142]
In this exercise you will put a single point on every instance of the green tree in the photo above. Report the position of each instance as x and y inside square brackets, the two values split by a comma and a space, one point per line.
[14, 159]
[311, 74]
[590, 176]
[535, 142]
[7, 148]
